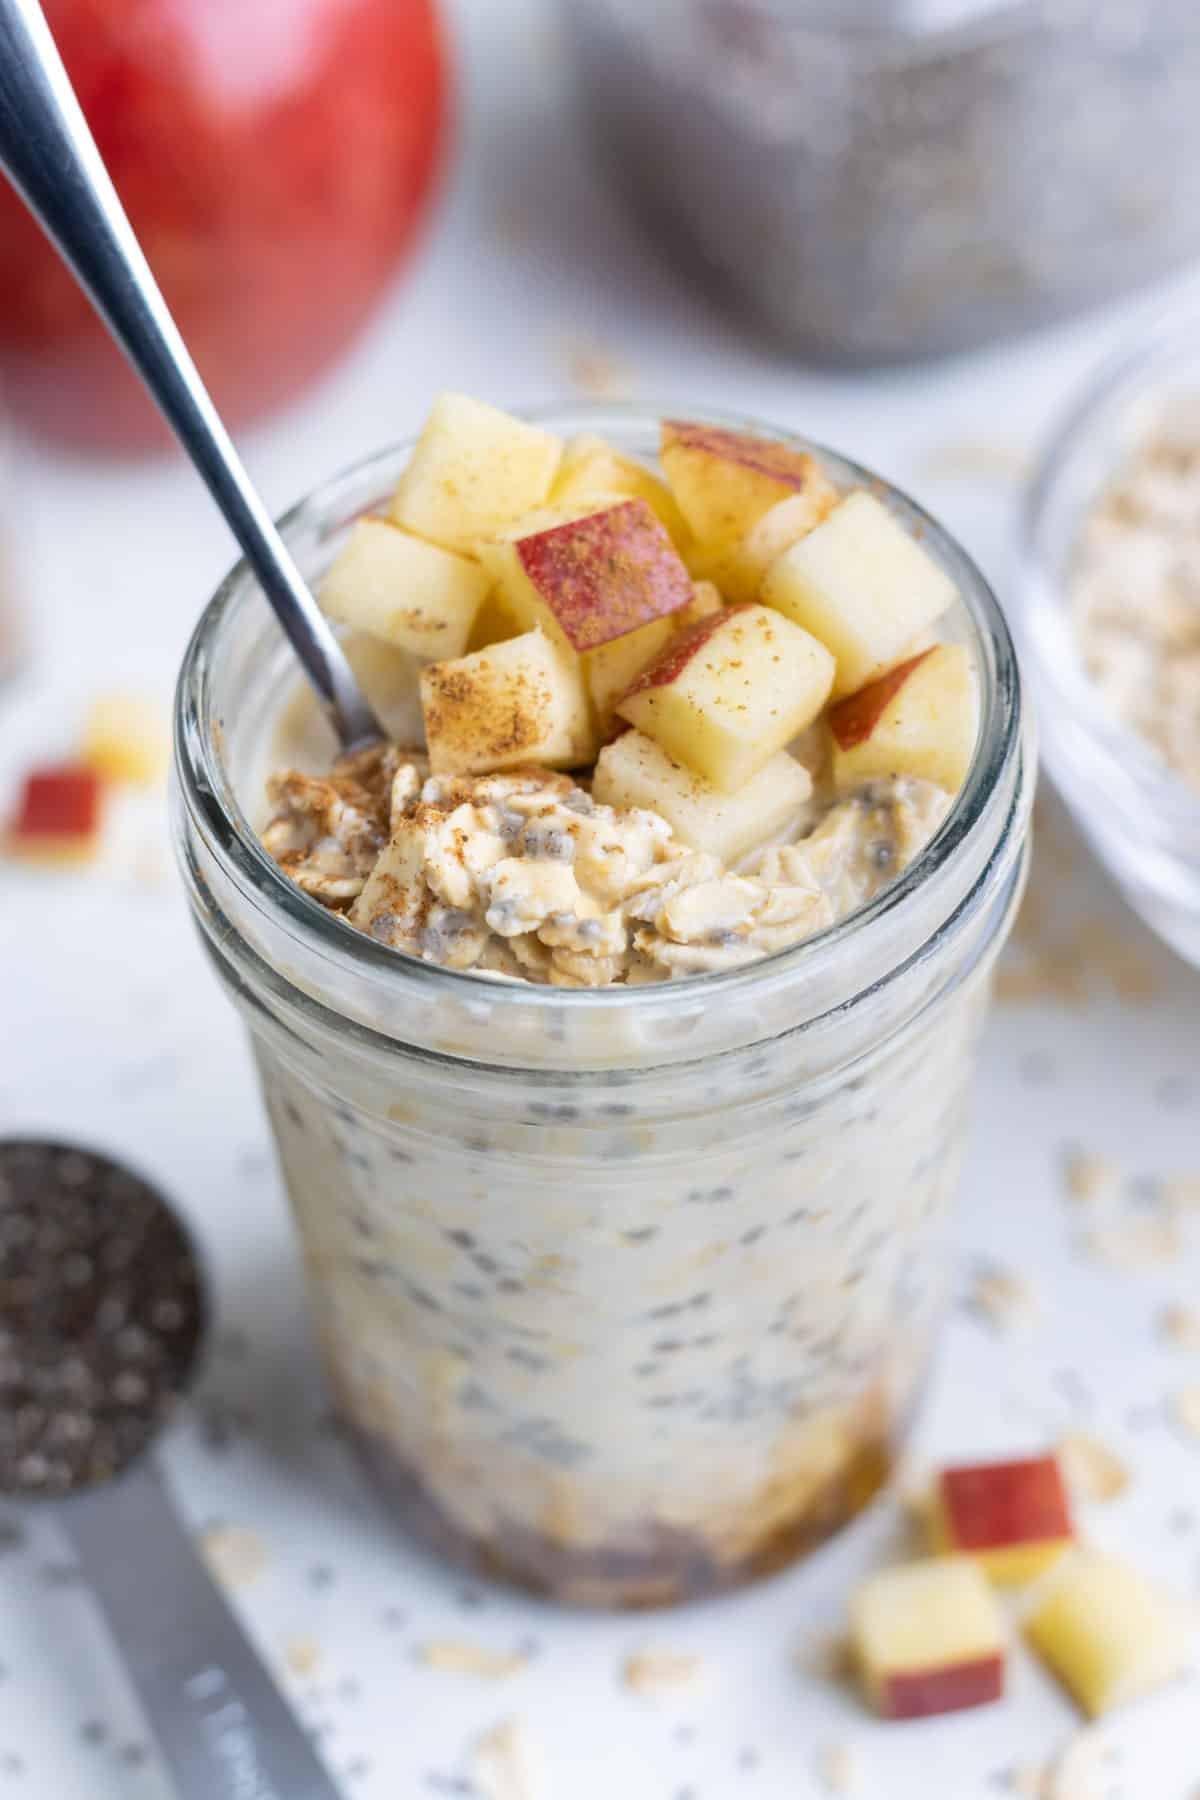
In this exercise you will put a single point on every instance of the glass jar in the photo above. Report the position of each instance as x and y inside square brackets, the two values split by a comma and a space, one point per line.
[626, 1294]
[884, 178]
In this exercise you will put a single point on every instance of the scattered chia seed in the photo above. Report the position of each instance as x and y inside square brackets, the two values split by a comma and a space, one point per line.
[102, 1314]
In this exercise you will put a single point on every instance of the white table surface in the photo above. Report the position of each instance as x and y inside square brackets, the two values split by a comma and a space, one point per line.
[113, 1031]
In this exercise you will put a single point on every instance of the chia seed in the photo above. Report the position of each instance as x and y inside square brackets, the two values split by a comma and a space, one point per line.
[103, 1312]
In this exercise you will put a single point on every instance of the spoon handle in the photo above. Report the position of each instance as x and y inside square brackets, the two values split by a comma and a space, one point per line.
[222, 1725]
[50, 156]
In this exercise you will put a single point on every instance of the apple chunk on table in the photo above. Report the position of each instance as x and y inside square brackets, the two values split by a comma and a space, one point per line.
[58, 816]
[928, 1638]
[920, 719]
[725, 480]
[635, 772]
[590, 578]
[730, 693]
[1013, 1518]
[520, 701]
[414, 595]
[1106, 1632]
[474, 470]
[862, 585]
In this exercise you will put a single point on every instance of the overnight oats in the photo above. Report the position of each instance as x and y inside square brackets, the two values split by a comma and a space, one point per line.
[616, 1017]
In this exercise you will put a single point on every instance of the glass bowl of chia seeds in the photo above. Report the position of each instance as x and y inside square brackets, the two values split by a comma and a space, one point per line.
[875, 179]
[1111, 621]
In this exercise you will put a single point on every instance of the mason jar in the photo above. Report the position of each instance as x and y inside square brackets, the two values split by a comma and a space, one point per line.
[625, 1294]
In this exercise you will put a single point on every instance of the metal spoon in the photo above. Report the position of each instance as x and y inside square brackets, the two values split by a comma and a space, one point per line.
[222, 1725]
[51, 158]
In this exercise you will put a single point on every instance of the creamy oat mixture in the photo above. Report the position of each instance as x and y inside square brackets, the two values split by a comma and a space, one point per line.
[1135, 589]
[524, 875]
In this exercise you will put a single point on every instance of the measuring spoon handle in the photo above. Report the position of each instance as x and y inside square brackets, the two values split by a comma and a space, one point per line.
[222, 1725]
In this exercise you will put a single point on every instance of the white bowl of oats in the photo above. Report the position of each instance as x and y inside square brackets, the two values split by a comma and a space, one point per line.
[1111, 547]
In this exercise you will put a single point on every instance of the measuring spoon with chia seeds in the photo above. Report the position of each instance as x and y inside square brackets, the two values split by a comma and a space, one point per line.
[52, 160]
[102, 1315]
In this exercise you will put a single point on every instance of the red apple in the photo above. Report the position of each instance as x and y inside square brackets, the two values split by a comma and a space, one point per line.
[594, 578]
[274, 157]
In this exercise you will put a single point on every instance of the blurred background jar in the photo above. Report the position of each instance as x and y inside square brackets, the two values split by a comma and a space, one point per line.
[275, 157]
[875, 179]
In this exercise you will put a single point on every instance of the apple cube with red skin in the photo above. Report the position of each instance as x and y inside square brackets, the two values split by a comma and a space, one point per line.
[1013, 1518]
[921, 719]
[635, 772]
[592, 470]
[928, 1638]
[725, 480]
[730, 693]
[863, 585]
[1106, 1632]
[58, 815]
[412, 594]
[739, 570]
[473, 471]
[592, 578]
[520, 701]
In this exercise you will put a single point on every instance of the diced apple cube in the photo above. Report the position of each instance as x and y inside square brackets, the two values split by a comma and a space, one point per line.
[862, 585]
[920, 719]
[726, 480]
[397, 587]
[729, 694]
[474, 470]
[610, 671]
[928, 1638]
[635, 772]
[521, 701]
[739, 571]
[593, 470]
[1106, 1632]
[593, 578]
[58, 815]
[1013, 1518]
[126, 739]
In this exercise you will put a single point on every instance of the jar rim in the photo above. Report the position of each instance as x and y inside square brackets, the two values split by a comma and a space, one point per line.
[983, 801]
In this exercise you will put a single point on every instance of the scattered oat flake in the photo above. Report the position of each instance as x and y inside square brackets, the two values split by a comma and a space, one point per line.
[1182, 1192]
[1092, 1470]
[660, 1671]
[1079, 1771]
[1135, 1243]
[455, 1656]
[1181, 1326]
[1028, 1780]
[1185, 1406]
[1088, 1175]
[831, 1656]
[838, 1769]
[236, 1556]
[507, 1765]
[1006, 1300]
[977, 461]
[596, 372]
[302, 1656]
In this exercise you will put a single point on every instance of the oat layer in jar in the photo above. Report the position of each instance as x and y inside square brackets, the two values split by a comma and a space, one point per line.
[626, 1294]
